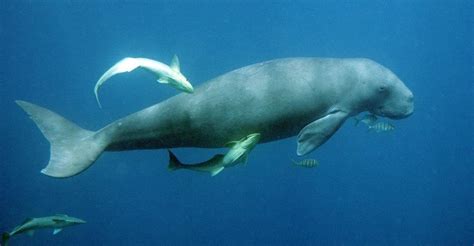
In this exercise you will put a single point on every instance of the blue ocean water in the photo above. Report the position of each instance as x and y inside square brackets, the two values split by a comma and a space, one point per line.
[412, 186]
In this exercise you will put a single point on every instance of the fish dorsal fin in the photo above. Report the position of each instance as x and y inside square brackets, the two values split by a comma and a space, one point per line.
[319, 131]
[30, 233]
[216, 171]
[57, 230]
[174, 65]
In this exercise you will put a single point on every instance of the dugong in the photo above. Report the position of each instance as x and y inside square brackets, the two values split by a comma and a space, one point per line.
[307, 97]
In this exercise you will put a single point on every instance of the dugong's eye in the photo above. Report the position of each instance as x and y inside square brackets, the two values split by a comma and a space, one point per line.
[382, 88]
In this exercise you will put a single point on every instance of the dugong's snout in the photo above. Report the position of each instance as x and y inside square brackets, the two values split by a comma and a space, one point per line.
[407, 104]
[399, 107]
[411, 105]
[396, 100]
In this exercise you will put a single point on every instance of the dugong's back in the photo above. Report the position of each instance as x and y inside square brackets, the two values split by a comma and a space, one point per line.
[275, 98]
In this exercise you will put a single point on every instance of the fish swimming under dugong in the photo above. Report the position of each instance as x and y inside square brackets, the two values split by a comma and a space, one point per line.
[238, 153]
[307, 97]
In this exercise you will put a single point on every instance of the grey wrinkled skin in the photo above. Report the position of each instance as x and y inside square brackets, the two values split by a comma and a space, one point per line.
[275, 98]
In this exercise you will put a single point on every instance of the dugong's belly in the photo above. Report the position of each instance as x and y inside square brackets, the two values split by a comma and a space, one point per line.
[273, 99]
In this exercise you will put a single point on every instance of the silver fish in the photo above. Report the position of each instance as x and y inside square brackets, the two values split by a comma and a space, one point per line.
[165, 74]
[308, 163]
[382, 127]
[238, 153]
[56, 222]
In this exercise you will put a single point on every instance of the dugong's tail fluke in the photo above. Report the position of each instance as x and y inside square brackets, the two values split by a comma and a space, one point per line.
[73, 149]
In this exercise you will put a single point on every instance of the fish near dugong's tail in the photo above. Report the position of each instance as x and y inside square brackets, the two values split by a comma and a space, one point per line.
[73, 149]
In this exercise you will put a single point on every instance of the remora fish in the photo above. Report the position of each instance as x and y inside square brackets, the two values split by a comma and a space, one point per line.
[308, 163]
[166, 74]
[238, 153]
[382, 127]
[368, 119]
[240, 149]
[56, 222]
[213, 166]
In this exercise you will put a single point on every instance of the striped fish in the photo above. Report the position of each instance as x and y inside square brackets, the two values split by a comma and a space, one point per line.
[308, 163]
[382, 127]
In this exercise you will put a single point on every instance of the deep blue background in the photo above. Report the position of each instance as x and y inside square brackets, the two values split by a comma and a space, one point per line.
[414, 185]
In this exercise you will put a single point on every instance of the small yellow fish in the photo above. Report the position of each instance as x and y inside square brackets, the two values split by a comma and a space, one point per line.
[308, 163]
[382, 127]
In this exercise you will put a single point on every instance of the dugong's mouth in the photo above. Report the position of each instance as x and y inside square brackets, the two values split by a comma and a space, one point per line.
[402, 116]
[396, 114]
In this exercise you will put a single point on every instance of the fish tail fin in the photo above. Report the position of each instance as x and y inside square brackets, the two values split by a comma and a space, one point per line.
[174, 163]
[5, 237]
[73, 149]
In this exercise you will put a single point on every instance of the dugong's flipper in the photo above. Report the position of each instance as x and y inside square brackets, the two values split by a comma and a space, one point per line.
[318, 132]
[125, 65]
[73, 149]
